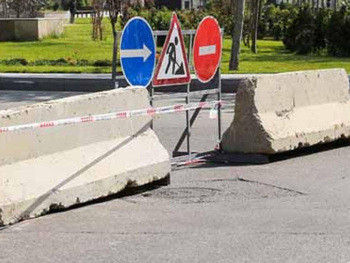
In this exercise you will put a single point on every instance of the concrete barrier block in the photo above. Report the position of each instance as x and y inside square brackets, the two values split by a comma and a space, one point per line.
[62, 166]
[282, 112]
[30, 29]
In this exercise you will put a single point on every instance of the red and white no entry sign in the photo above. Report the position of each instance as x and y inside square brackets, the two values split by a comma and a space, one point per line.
[207, 49]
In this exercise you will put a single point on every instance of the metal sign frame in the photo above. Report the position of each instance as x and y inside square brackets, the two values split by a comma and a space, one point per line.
[187, 96]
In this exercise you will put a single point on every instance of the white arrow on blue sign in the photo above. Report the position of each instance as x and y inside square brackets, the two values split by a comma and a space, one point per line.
[138, 52]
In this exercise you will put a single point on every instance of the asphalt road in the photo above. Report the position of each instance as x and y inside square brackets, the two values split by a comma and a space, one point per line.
[295, 210]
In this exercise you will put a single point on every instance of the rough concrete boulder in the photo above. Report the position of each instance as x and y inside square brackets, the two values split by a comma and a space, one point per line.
[57, 167]
[282, 112]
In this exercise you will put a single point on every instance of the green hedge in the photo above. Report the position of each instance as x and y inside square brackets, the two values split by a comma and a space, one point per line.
[338, 35]
[276, 19]
[323, 30]
[159, 19]
[57, 62]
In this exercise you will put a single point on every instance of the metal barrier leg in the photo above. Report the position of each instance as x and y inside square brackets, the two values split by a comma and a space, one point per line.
[188, 123]
[185, 132]
[219, 113]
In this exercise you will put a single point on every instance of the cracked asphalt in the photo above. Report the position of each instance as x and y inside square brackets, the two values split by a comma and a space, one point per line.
[294, 210]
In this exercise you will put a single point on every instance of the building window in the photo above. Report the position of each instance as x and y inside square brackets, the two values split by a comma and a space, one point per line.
[187, 4]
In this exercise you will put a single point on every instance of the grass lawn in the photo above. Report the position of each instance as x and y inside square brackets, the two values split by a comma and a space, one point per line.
[272, 57]
[76, 44]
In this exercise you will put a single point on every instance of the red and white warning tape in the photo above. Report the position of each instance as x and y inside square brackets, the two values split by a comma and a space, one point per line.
[111, 116]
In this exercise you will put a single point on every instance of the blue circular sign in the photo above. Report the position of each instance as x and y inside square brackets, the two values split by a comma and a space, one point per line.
[138, 52]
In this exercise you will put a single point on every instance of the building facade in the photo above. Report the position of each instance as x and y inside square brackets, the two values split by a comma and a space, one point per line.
[3, 8]
[192, 4]
[170, 4]
[181, 4]
[140, 2]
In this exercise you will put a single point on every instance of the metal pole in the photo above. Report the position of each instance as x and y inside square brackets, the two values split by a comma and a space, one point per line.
[193, 119]
[152, 88]
[190, 51]
[219, 99]
[188, 122]
[152, 105]
[219, 111]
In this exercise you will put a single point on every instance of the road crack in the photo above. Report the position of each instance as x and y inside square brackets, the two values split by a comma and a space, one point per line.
[240, 179]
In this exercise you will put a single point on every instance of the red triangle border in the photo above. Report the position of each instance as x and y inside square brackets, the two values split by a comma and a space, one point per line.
[178, 81]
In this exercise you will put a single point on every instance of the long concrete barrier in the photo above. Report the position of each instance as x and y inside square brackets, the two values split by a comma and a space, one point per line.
[57, 167]
[282, 112]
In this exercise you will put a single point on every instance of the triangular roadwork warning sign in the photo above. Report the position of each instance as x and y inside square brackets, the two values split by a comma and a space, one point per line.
[172, 68]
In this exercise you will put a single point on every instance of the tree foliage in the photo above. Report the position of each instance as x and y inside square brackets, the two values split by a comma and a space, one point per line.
[275, 20]
[312, 32]
[338, 37]
[27, 8]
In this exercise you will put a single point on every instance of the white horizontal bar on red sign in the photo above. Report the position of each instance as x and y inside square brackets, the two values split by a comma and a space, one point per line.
[110, 116]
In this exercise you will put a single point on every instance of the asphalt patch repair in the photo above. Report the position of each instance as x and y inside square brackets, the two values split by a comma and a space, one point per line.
[219, 190]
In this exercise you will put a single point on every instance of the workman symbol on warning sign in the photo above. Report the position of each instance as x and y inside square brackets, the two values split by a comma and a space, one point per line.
[171, 52]
[173, 66]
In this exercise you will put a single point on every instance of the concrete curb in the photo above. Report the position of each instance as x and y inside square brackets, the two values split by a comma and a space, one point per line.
[101, 82]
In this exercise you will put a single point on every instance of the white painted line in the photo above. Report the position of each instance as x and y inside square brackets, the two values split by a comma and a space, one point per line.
[136, 53]
[207, 50]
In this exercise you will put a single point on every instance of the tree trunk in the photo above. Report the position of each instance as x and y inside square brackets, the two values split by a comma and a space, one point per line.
[72, 17]
[115, 49]
[237, 35]
[248, 27]
[255, 25]
[4, 8]
[114, 8]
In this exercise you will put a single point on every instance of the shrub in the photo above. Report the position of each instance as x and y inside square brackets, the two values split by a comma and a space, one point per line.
[276, 19]
[40, 62]
[159, 19]
[60, 62]
[339, 33]
[15, 62]
[55, 6]
[312, 32]
[47, 62]
[222, 10]
[102, 63]
[321, 29]
[82, 62]
[28, 8]
[300, 36]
